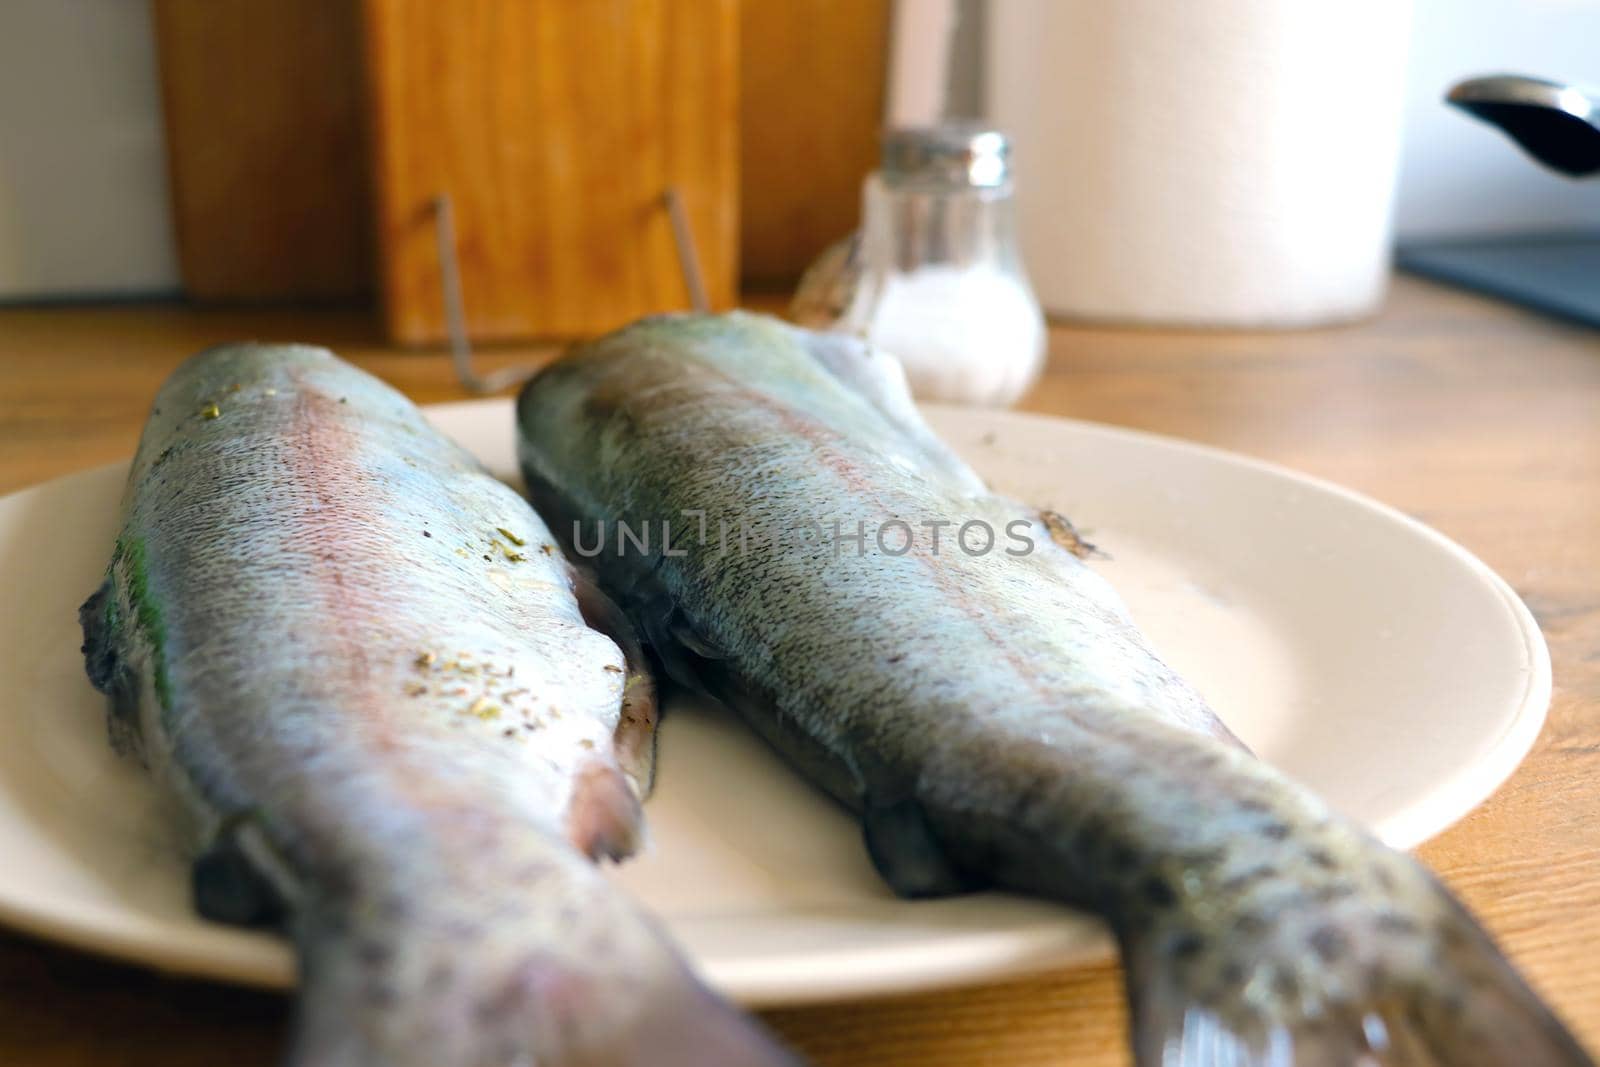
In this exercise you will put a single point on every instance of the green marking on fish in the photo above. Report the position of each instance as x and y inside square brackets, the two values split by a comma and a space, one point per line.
[129, 559]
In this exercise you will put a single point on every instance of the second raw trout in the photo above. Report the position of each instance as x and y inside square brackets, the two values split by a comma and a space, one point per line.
[988, 707]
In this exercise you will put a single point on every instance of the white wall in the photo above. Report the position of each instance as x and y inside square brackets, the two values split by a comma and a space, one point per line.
[83, 187]
[1458, 175]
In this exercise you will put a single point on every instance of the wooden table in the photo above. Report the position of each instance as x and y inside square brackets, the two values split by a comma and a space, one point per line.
[1479, 419]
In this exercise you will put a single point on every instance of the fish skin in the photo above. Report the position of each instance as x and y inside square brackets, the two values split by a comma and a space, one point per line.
[996, 720]
[358, 662]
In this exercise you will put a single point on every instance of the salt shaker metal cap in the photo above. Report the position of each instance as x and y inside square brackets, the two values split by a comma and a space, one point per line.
[955, 153]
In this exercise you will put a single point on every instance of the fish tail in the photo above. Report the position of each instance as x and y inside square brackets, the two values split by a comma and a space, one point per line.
[429, 982]
[1355, 985]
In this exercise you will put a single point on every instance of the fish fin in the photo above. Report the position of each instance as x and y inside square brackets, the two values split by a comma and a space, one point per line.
[1456, 1003]
[687, 637]
[877, 377]
[907, 853]
[684, 654]
[107, 670]
[604, 818]
[635, 737]
[228, 883]
[100, 658]
[827, 290]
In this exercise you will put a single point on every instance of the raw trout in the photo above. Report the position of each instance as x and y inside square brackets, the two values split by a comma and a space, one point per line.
[359, 662]
[993, 715]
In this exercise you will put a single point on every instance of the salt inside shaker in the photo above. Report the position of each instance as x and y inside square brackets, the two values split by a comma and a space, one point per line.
[935, 277]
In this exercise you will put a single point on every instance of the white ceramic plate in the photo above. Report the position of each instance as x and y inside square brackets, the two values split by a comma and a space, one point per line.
[1357, 649]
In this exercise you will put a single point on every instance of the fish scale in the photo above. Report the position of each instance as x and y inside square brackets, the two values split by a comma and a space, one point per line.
[995, 718]
[363, 669]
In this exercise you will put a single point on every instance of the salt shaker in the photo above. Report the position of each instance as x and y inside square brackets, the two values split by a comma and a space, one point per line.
[934, 277]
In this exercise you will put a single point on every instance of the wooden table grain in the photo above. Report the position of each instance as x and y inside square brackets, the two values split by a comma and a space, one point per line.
[1476, 418]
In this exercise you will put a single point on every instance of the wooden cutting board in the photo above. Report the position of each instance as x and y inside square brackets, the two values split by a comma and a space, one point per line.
[555, 128]
[263, 118]
[269, 107]
[811, 95]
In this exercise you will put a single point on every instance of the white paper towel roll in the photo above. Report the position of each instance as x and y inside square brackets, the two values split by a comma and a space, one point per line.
[1227, 162]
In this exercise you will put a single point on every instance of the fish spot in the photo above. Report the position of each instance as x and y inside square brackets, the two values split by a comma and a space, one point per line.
[1392, 922]
[1329, 943]
[1249, 923]
[462, 929]
[382, 995]
[1122, 858]
[1451, 933]
[425, 533]
[374, 953]
[1158, 893]
[394, 907]
[1321, 857]
[439, 976]
[1246, 878]
[1285, 985]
